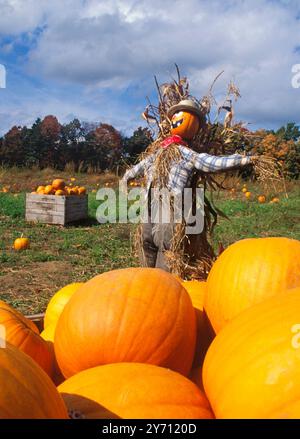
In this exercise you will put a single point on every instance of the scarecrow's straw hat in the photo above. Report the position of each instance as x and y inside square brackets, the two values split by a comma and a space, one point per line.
[186, 105]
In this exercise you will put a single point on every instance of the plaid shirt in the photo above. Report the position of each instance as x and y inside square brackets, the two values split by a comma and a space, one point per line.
[181, 172]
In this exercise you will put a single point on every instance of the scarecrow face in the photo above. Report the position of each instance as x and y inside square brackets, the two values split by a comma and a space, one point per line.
[185, 124]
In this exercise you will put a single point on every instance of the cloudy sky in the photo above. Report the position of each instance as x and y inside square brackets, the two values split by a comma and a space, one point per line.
[95, 59]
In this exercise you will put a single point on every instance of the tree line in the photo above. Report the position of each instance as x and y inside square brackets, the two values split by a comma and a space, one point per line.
[91, 147]
[87, 146]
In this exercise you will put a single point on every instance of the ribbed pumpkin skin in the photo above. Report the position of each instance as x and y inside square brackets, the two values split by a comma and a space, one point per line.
[23, 333]
[205, 333]
[248, 272]
[130, 315]
[26, 390]
[58, 302]
[252, 368]
[133, 391]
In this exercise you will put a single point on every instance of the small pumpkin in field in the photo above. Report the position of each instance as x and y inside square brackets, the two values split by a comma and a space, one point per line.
[251, 369]
[261, 199]
[274, 200]
[129, 315]
[58, 302]
[133, 391]
[21, 243]
[58, 184]
[23, 333]
[244, 190]
[248, 272]
[26, 390]
[248, 194]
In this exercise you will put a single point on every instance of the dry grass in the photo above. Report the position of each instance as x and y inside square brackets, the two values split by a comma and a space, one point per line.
[18, 180]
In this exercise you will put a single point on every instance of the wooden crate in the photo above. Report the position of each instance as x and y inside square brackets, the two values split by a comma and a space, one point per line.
[38, 319]
[52, 209]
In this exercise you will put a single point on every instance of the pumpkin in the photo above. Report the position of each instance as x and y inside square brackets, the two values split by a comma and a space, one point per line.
[21, 243]
[26, 390]
[40, 189]
[129, 315]
[248, 194]
[275, 200]
[81, 191]
[205, 333]
[73, 191]
[133, 391]
[185, 124]
[261, 199]
[248, 272]
[48, 190]
[58, 302]
[244, 190]
[58, 184]
[251, 369]
[60, 192]
[48, 335]
[23, 333]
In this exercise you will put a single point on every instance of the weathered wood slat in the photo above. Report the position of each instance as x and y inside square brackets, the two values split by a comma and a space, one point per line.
[59, 208]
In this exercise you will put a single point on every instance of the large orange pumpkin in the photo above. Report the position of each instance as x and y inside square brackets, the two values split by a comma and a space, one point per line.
[58, 302]
[248, 272]
[133, 391]
[252, 368]
[185, 124]
[23, 333]
[129, 315]
[26, 390]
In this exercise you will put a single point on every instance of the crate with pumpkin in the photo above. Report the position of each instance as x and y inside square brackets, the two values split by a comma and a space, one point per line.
[57, 203]
[143, 343]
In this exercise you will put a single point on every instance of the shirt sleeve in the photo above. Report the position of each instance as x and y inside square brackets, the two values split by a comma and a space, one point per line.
[138, 169]
[210, 163]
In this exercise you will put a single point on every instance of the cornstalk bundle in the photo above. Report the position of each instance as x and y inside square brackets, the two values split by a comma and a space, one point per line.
[192, 256]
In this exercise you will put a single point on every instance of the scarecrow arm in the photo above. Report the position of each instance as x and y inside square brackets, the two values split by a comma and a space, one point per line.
[138, 169]
[210, 163]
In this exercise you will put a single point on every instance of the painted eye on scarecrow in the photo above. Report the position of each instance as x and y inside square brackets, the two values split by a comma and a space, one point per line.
[185, 124]
[177, 119]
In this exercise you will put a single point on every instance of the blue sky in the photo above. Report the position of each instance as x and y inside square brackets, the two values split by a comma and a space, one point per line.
[95, 59]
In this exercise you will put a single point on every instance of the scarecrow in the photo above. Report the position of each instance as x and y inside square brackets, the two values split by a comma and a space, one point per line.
[175, 161]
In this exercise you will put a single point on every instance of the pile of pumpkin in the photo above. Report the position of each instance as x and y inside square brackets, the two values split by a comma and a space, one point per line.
[141, 343]
[260, 198]
[59, 187]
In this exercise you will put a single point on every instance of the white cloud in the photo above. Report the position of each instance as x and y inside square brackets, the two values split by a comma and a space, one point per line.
[116, 44]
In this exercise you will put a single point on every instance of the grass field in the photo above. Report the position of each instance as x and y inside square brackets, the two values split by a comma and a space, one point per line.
[58, 255]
